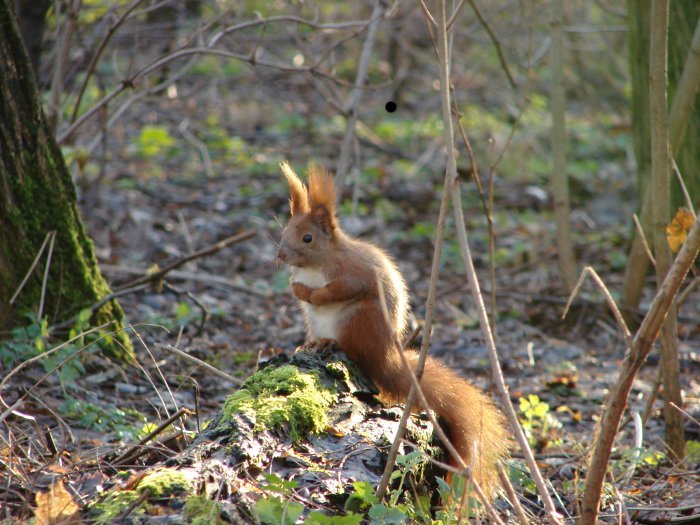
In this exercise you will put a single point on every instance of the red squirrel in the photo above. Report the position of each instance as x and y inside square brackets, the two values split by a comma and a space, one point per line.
[336, 278]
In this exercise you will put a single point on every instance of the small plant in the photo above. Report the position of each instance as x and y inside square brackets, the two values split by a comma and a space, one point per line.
[25, 342]
[275, 510]
[92, 416]
[32, 340]
[153, 141]
[539, 423]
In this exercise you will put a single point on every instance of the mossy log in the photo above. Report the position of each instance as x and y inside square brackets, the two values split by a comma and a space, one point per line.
[37, 197]
[312, 419]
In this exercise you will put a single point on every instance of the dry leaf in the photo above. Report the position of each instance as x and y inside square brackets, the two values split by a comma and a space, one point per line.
[55, 506]
[677, 231]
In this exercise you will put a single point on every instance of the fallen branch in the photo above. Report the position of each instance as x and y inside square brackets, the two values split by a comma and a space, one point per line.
[158, 275]
[641, 347]
[200, 363]
[135, 451]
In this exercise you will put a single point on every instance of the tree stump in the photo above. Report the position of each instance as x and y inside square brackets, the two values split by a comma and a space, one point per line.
[312, 420]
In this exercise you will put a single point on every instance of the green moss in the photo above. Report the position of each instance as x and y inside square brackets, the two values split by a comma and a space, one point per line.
[29, 211]
[165, 482]
[278, 397]
[199, 510]
[339, 369]
[113, 505]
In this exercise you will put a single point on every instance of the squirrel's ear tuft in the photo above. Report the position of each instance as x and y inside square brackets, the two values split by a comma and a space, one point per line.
[324, 219]
[299, 200]
[322, 198]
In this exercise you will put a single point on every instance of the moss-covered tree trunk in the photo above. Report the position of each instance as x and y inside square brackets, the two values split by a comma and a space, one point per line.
[37, 196]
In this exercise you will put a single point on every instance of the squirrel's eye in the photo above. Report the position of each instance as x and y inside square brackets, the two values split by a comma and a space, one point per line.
[307, 238]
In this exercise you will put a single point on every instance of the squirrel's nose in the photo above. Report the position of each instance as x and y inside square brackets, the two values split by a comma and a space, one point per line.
[282, 254]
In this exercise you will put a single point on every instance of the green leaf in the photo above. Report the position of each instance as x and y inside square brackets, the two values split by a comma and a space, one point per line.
[183, 311]
[381, 514]
[363, 496]
[318, 518]
[269, 510]
[692, 451]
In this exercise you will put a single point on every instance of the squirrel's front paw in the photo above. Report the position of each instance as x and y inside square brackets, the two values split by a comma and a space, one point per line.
[321, 345]
[301, 291]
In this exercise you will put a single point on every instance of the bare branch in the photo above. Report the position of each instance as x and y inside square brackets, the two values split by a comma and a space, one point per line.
[352, 108]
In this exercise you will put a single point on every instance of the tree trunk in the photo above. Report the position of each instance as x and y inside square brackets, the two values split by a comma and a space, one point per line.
[559, 180]
[37, 197]
[31, 17]
[660, 167]
[683, 18]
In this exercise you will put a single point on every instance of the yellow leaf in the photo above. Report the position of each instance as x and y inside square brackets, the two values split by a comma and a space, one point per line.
[677, 231]
[56, 507]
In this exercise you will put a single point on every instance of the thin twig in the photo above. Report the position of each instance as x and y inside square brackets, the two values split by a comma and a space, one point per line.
[156, 276]
[469, 265]
[487, 204]
[427, 329]
[352, 108]
[24, 364]
[643, 239]
[61, 59]
[201, 147]
[98, 53]
[512, 496]
[31, 268]
[455, 13]
[200, 277]
[99, 304]
[494, 39]
[437, 429]
[159, 370]
[588, 270]
[690, 418]
[200, 363]
[429, 17]
[45, 280]
[208, 49]
[681, 182]
[134, 449]
[683, 296]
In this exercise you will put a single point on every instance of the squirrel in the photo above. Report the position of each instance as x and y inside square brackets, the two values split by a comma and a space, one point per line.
[338, 280]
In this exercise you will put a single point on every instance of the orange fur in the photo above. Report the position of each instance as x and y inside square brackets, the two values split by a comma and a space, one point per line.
[299, 197]
[336, 279]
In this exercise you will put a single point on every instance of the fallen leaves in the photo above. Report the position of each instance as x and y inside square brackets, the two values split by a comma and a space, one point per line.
[56, 506]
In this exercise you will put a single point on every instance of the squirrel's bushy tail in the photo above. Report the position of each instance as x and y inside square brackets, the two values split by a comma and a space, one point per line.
[475, 426]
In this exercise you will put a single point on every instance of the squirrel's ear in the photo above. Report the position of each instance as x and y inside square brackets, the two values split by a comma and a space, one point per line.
[322, 198]
[324, 219]
[299, 200]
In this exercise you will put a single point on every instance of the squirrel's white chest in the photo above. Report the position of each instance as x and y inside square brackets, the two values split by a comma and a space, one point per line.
[324, 321]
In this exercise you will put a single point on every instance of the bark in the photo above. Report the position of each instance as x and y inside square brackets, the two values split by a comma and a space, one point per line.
[37, 196]
[559, 181]
[32, 21]
[684, 16]
[660, 165]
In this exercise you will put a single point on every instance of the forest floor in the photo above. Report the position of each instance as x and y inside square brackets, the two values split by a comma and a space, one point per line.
[156, 206]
